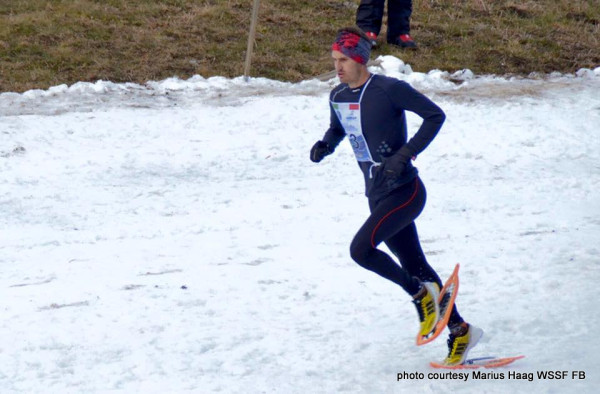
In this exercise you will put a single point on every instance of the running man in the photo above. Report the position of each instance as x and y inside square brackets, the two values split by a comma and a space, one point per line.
[370, 110]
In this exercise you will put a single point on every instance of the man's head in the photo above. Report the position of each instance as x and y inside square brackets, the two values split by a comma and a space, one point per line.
[350, 52]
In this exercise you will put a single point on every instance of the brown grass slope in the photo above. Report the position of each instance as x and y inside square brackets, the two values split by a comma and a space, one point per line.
[45, 43]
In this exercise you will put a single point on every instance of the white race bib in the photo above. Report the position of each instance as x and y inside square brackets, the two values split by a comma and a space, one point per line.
[349, 116]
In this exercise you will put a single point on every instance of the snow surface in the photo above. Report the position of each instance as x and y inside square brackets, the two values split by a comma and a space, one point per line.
[174, 237]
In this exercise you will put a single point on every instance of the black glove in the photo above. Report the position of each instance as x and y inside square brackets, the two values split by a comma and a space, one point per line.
[319, 151]
[396, 163]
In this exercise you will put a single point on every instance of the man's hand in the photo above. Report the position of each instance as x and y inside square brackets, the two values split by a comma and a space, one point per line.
[396, 163]
[319, 151]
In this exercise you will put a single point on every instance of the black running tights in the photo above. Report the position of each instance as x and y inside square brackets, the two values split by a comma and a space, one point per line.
[392, 222]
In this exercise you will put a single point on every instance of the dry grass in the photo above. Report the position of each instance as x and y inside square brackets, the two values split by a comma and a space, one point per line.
[508, 37]
[45, 43]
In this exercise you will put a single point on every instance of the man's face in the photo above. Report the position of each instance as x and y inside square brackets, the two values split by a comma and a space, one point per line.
[347, 69]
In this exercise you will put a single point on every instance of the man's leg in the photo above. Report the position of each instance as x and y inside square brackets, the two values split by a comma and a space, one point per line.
[390, 216]
[406, 246]
[399, 12]
[369, 15]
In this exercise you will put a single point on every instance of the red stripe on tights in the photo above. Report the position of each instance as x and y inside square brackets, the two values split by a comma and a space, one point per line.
[390, 213]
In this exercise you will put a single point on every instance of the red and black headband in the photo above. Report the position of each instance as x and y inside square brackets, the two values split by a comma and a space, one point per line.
[352, 45]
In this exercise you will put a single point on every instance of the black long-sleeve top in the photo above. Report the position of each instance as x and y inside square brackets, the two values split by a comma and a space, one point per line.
[383, 121]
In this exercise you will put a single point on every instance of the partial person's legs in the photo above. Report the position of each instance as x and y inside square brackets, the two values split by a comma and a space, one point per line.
[369, 15]
[398, 33]
[399, 12]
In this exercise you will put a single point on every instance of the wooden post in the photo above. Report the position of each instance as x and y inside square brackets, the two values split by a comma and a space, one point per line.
[251, 36]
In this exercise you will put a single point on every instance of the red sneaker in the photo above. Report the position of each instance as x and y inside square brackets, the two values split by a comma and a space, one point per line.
[404, 41]
[372, 37]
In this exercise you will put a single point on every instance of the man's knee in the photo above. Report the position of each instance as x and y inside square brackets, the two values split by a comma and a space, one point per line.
[360, 252]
